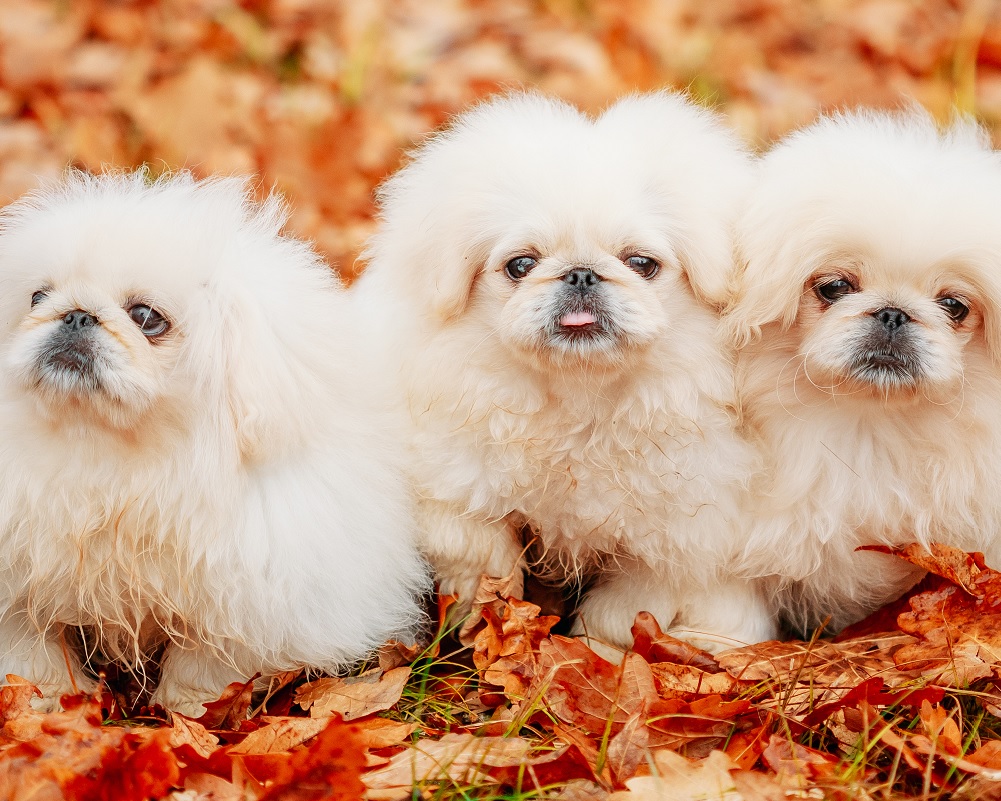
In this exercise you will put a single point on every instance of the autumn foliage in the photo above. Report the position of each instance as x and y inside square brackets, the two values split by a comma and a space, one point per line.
[906, 706]
[321, 99]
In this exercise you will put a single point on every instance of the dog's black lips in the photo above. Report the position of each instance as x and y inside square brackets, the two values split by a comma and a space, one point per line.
[884, 359]
[70, 355]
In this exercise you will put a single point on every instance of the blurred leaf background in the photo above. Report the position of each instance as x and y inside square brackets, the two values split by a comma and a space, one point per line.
[321, 99]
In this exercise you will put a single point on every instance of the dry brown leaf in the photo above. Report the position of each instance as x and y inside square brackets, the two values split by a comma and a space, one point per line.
[355, 696]
[585, 690]
[18, 720]
[462, 757]
[961, 568]
[629, 748]
[280, 734]
[819, 673]
[684, 681]
[186, 731]
[795, 764]
[678, 779]
[329, 768]
[490, 590]
[656, 646]
[382, 732]
[506, 646]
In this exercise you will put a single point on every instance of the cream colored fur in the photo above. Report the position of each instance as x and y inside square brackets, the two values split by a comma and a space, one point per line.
[619, 452]
[232, 487]
[910, 215]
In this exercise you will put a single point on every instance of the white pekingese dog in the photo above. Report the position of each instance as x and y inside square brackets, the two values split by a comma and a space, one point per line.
[868, 308]
[549, 282]
[188, 451]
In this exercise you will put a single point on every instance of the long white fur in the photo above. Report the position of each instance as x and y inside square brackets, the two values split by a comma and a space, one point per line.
[623, 458]
[913, 211]
[236, 488]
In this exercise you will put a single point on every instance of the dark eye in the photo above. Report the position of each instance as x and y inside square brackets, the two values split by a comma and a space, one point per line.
[519, 267]
[38, 297]
[955, 308]
[644, 265]
[833, 290]
[149, 320]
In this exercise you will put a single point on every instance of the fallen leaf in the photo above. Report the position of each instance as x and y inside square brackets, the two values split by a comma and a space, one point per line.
[280, 734]
[329, 768]
[585, 690]
[656, 646]
[230, 709]
[678, 779]
[958, 567]
[506, 647]
[795, 764]
[463, 758]
[185, 731]
[382, 733]
[354, 696]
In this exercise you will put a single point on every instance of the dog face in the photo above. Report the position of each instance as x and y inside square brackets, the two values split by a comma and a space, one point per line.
[870, 262]
[127, 305]
[107, 348]
[591, 285]
[568, 239]
[866, 325]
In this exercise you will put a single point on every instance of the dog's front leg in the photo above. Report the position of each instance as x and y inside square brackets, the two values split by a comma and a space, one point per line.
[463, 548]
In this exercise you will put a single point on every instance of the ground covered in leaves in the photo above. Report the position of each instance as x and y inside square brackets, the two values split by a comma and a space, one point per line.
[320, 98]
[905, 705]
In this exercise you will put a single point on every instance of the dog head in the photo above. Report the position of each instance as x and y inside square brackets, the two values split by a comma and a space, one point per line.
[127, 304]
[565, 238]
[870, 253]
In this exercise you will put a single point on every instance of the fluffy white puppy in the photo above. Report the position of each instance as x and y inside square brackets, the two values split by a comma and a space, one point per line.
[187, 448]
[869, 310]
[549, 282]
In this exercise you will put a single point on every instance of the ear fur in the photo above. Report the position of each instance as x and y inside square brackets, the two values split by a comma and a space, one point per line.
[702, 168]
[428, 236]
[280, 333]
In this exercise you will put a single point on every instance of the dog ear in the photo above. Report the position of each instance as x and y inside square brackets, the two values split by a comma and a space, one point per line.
[258, 378]
[423, 250]
[765, 288]
[986, 279]
[698, 172]
[450, 279]
[281, 323]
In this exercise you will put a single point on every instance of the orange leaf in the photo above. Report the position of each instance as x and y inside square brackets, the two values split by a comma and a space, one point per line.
[330, 768]
[353, 696]
[230, 710]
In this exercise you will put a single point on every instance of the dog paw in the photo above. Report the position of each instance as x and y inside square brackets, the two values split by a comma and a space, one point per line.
[187, 701]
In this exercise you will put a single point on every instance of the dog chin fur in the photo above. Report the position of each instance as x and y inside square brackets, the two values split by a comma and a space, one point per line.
[616, 446]
[232, 487]
[869, 456]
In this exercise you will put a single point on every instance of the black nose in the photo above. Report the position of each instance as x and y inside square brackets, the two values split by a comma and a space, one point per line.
[582, 277]
[77, 319]
[891, 318]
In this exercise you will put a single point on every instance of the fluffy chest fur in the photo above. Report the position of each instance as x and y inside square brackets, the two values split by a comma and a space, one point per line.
[95, 532]
[645, 465]
[842, 472]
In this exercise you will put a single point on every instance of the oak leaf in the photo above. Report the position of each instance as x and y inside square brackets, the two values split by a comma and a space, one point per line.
[230, 709]
[279, 734]
[329, 768]
[353, 696]
[585, 690]
[459, 757]
[679, 779]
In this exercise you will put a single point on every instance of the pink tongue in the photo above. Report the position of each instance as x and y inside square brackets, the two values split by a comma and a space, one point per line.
[572, 319]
